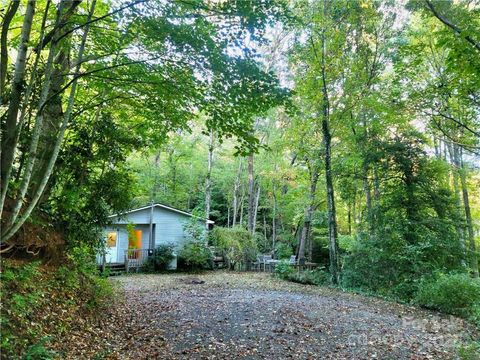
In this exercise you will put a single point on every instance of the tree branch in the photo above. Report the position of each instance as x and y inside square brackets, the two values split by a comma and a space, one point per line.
[451, 25]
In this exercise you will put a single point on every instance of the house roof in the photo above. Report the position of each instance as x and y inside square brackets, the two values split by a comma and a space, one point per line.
[163, 207]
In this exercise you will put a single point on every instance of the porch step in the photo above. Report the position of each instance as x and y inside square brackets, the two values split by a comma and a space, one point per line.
[115, 268]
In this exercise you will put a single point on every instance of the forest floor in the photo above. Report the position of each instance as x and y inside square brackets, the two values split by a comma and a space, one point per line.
[222, 315]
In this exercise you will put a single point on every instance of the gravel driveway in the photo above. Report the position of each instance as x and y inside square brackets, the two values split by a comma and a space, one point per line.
[254, 316]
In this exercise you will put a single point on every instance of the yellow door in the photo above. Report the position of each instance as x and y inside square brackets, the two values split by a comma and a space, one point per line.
[135, 242]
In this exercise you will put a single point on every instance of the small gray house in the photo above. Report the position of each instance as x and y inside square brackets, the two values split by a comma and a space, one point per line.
[152, 225]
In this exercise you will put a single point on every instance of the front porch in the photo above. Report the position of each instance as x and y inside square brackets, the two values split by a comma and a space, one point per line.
[134, 259]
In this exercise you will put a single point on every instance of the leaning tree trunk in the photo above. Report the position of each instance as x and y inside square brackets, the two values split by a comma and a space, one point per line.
[56, 148]
[7, 19]
[8, 134]
[34, 140]
[53, 113]
[11, 148]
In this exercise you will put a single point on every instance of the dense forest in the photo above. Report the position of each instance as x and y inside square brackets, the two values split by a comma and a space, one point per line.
[346, 133]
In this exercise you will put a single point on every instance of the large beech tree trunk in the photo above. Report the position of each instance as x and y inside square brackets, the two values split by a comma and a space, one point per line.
[7, 19]
[10, 130]
[15, 222]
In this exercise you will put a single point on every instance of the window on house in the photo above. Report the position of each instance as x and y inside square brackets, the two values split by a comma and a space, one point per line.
[112, 239]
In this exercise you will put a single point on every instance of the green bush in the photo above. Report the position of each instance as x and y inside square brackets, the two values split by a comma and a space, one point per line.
[161, 258]
[283, 250]
[311, 277]
[284, 270]
[39, 352]
[195, 255]
[236, 243]
[456, 294]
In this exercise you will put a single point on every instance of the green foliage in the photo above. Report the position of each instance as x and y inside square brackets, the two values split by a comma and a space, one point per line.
[39, 352]
[414, 225]
[236, 243]
[37, 299]
[161, 258]
[311, 277]
[284, 270]
[195, 255]
[346, 242]
[456, 294]
[469, 351]
[283, 250]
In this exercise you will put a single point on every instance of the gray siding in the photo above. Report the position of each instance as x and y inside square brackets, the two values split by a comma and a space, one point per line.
[169, 228]
[135, 217]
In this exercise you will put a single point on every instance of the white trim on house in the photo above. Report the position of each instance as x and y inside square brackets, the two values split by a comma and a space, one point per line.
[163, 207]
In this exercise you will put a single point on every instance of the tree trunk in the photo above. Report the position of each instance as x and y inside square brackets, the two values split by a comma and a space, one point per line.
[156, 180]
[455, 169]
[236, 188]
[33, 145]
[274, 216]
[208, 190]
[255, 209]
[307, 221]
[349, 218]
[8, 134]
[332, 216]
[11, 10]
[251, 196]
[327, 138]
[53, 113]
[242, 203]
[228, 215]
[56, 149]
[468, 218]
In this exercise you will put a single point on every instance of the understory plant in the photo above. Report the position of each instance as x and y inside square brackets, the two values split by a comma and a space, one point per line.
[39, 299]
[237, 244]
[195, 253]
[455, 293]
[161, 258]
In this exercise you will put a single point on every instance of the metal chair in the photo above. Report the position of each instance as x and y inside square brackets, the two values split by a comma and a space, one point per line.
[293, 260]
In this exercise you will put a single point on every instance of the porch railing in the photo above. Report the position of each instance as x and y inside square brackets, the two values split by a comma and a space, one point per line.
[136, 258]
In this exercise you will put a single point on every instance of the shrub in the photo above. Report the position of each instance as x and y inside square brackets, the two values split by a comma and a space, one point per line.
[283, 251]
[236, 243]
[311, 277]
[161, 258]
[284, 270]
[39, 352]
[456, 294]
[195, 255]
